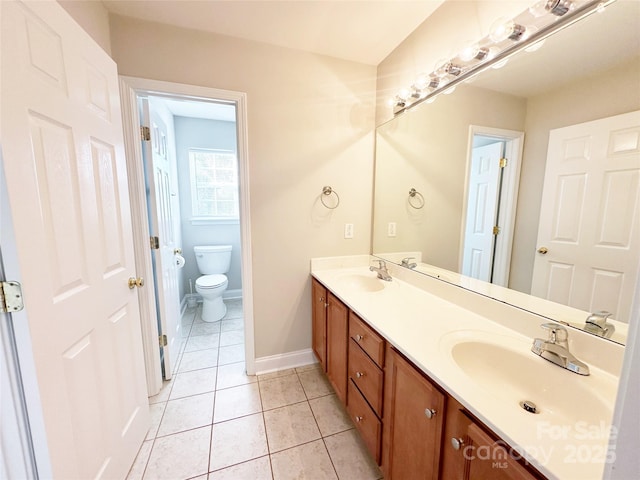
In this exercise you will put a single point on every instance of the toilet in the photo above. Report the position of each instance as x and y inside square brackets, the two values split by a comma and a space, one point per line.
[213, 262]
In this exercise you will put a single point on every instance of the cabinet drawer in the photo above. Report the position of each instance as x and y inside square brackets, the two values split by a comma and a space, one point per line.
[366, 375]
[365, 421]
[368, 339]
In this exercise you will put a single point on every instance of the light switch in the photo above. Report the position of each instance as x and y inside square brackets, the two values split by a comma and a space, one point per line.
[391, 229]
[348, 230]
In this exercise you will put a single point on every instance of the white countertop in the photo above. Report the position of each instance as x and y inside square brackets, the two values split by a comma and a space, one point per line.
[562, 442]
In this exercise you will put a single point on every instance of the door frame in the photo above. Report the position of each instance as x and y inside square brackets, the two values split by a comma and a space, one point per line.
[130, 89]
[514, 144]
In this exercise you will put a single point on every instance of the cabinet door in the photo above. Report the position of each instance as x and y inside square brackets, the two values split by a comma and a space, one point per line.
[413, 421]
[487, 458]
[453, 441]
[337, 336]
[319, 321]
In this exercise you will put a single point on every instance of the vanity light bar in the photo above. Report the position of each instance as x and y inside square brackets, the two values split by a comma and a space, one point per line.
[507, 37]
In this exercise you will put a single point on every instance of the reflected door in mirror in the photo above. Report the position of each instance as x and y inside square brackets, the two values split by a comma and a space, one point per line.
[589, 222]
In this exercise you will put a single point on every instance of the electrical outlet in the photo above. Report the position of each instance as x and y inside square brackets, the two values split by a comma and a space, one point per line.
[348, 230]
[391, 229]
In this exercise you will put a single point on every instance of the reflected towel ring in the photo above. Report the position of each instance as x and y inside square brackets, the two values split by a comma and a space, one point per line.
[327, 191]
[413, 195]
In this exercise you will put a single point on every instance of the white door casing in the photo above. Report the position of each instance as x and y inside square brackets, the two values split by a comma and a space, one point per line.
[590, 216]
[161, 224]
[66, 177]
[130, 88]
[482, 203]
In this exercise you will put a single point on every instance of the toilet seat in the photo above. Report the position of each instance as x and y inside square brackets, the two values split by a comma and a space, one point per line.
[211, 281]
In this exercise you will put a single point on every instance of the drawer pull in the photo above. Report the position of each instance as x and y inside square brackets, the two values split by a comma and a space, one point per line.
[430, 413]
[457, 443]
[359, 418]
[359, 337]
[359, 374]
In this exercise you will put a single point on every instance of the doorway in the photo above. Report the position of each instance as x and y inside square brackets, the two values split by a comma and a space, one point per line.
[180, 112]
[491, 192]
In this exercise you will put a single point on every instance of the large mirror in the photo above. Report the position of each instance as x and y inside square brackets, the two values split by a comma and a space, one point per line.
[432, 202]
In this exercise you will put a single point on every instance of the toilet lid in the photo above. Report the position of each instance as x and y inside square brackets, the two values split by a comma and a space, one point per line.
[211, 281]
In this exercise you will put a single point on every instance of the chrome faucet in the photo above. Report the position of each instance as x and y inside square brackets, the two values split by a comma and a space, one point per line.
[381, 270]
[556, 349]
[406, 262]
[597, 324]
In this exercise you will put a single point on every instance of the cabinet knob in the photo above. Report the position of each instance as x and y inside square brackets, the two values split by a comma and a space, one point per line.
[321, 299]
[457, 443]
[429, 412]
[359, 418]
[359, 337]
[359, 374]
[326, 305]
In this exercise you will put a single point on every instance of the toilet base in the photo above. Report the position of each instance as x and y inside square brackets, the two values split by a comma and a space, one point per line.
[213, 310]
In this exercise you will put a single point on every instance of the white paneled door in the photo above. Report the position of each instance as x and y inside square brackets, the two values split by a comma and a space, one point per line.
[66, 177]
[589, 232]
[161, 225]
[482, 204]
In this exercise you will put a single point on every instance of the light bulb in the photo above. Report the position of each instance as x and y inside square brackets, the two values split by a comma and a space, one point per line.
[449, 90]
[503, 29]
[500, 64]
[473, 52]
[391, 102]
[421, 82]
[404, 94]
[539, 9]
[535, 47]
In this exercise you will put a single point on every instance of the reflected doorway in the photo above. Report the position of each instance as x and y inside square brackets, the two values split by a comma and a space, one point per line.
[493, 171]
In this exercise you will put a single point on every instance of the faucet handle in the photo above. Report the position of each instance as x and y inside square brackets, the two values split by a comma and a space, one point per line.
[557, 333]
[599, 318]
[381, 264]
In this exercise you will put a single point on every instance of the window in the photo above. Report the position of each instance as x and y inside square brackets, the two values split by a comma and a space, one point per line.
[214, 184]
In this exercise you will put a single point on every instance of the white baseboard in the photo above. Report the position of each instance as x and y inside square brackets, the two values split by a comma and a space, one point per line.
[232, 294]
[283, 361]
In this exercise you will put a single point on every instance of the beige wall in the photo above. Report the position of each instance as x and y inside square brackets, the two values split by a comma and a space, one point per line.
[92, 17]
[310, 121]
[427, 149]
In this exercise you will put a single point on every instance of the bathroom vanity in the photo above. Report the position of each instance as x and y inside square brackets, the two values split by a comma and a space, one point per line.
[435, 379]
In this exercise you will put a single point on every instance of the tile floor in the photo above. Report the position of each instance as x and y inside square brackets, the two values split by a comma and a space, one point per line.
[213, 422]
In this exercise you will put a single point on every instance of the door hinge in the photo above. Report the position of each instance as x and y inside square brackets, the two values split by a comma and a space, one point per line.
[155, 243]
[503, 162]
[10, 297]
[496, 230]
[163, 340]
[145, 133]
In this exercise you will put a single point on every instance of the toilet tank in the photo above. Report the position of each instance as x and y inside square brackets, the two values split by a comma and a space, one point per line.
[213, 258]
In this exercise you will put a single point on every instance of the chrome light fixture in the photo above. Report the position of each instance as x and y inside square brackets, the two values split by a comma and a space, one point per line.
[507, 37]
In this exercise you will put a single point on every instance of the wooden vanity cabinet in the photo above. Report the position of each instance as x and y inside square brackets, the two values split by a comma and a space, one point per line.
[404, 419]
[319, 322]
[470, 452]
[412, 423]
[366, 380]
[337, 345]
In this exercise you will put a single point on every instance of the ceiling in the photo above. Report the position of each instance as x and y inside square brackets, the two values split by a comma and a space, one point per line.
[363, 31]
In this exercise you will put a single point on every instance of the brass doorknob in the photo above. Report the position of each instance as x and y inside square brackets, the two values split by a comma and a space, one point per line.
[177, 251]
[135, 282]
[543, 250]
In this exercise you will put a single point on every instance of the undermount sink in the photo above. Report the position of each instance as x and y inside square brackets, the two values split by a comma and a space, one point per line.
[361, 283]
[505, 368]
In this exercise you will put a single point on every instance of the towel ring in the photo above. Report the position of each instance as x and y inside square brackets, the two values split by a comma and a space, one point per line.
[327, 191]
[416, 200]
